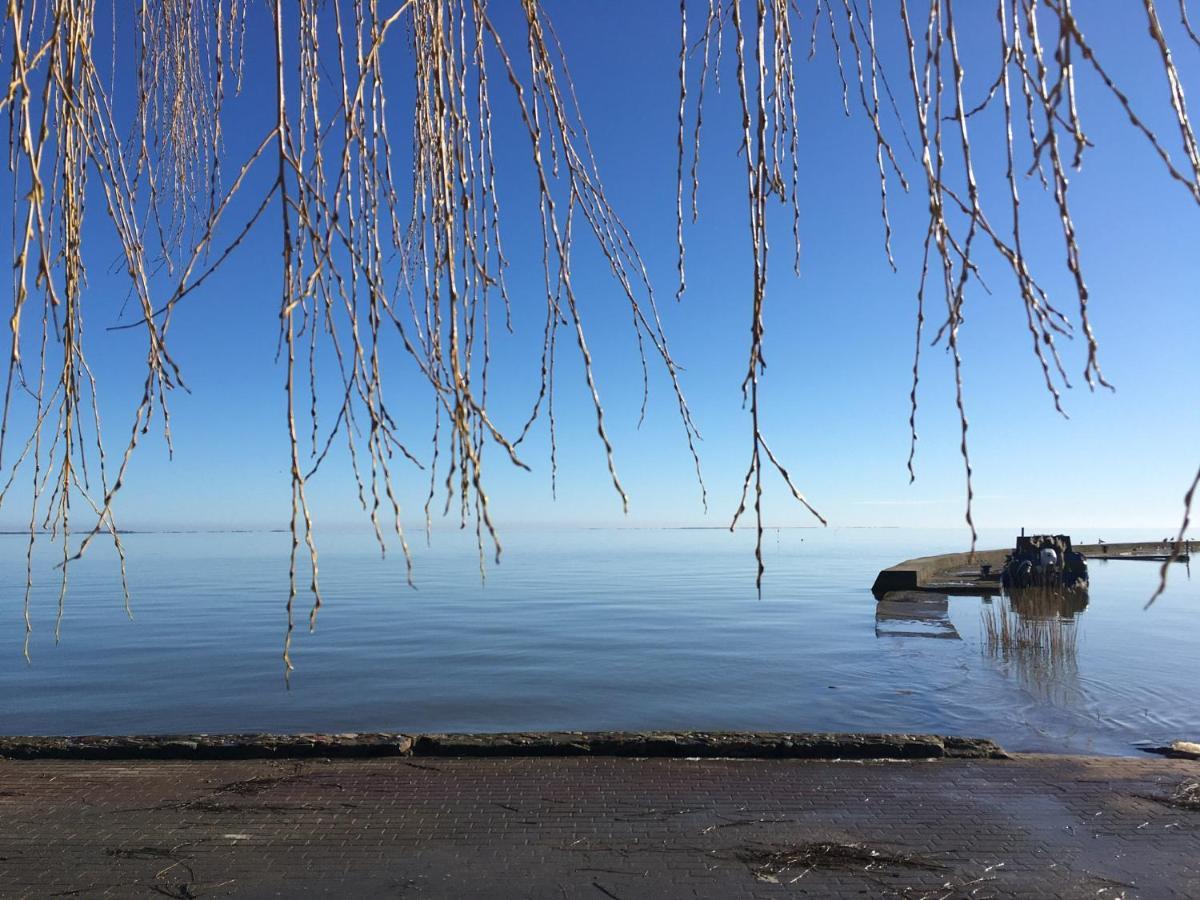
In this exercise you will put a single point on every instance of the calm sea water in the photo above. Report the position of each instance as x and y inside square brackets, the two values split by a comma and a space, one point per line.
[628, 629]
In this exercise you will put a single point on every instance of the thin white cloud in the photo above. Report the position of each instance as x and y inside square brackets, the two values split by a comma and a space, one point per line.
[925, 502]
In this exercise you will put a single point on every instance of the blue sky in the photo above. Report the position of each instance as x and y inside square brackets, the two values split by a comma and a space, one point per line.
[839, 338]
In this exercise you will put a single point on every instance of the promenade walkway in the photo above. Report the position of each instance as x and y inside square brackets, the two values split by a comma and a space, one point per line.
[600, 828]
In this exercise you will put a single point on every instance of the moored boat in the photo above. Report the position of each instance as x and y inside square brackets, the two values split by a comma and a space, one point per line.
[1045, 560]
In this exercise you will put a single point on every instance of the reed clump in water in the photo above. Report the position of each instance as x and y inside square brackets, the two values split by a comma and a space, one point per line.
[1008, 633]
[1036, 631]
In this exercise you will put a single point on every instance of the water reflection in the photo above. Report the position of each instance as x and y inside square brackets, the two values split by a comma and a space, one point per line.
[1033, 633]
[624, 630]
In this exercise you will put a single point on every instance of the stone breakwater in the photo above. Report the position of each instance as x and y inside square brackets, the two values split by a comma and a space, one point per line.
[676, 744]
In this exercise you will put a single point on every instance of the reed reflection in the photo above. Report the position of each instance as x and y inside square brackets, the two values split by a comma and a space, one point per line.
[1033, 633]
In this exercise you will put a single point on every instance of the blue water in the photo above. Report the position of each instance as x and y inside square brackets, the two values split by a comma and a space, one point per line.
[631, 629]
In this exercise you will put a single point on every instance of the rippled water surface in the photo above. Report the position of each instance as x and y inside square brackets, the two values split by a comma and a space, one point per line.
[624, 629]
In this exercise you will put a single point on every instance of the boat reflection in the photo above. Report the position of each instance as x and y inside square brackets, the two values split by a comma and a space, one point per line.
[1034, 634]
[1038, 604]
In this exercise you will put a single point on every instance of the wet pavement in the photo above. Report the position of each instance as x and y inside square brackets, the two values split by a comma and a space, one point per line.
[1037, 826]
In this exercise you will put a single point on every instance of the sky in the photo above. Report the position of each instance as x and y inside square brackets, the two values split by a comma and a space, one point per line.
[839, 338]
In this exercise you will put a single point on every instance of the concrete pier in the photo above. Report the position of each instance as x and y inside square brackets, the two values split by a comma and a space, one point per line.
[960, 573]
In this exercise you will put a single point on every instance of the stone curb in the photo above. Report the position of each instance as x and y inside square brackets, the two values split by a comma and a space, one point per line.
[206, 746]
[681, 744]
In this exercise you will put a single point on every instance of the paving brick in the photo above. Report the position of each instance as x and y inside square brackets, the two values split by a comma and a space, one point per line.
[594, 827]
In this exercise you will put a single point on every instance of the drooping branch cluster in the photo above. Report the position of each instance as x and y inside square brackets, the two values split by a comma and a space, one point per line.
[392, 240]
[180, 98]
[68, 145]
[387, 240]
[1040, 54]
[1039, 47]
[370, 257]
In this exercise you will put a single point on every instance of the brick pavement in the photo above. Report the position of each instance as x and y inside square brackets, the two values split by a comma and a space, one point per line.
[598, 828]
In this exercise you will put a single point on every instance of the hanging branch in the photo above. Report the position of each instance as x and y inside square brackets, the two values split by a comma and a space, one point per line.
[372, 260]
[959, 226]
